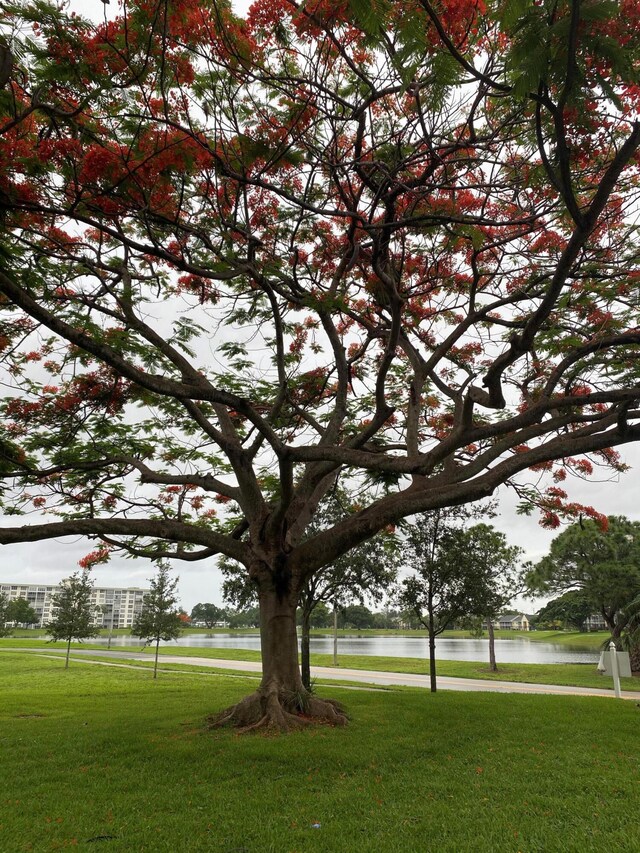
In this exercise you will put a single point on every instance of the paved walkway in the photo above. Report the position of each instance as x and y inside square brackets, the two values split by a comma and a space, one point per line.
[371, 677]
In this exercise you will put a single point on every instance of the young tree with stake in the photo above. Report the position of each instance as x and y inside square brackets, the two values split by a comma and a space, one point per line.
[243, 259]
[492, 574]
[447, 582]
[159, 619]
[72, 614]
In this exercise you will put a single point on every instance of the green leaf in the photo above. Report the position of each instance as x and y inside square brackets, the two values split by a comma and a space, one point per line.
[512, 11]
[370, 15]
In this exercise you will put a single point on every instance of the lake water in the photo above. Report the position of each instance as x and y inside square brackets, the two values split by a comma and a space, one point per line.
[518, 650]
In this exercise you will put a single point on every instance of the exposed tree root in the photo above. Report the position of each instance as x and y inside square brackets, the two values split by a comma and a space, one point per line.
[279, 711]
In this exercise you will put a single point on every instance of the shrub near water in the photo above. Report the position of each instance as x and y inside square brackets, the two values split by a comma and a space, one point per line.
[108, 759]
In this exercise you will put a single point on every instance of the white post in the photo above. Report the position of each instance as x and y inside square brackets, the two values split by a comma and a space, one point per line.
[614, 668]
[335, 633]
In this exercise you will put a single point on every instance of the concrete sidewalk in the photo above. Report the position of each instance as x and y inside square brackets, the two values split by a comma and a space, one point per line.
[372, 677]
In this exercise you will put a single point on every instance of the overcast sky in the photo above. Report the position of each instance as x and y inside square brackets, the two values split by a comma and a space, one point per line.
[48, 562]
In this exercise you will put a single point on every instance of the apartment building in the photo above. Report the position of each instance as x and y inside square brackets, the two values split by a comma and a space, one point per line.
[114, 607]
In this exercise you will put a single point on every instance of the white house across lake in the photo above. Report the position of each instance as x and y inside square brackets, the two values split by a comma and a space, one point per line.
[513, 622]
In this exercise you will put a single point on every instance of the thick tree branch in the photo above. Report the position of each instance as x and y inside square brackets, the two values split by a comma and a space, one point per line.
[172, 531]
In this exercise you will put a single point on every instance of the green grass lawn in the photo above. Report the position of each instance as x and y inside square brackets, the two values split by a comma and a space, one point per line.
[571, 674]
[104, 758]
[588, 641]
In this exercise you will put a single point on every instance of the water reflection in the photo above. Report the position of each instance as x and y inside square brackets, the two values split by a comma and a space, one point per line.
[518, 650]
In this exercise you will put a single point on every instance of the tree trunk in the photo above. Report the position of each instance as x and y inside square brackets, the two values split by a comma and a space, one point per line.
[155, 663]
[66, 662]
[432, 649]
[281, 701]
[305, 654]
[432, 662]
[493, 666]
[612, 625]
[634, 659]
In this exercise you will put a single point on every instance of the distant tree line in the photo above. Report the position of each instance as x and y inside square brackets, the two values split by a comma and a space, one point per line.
[355, 616]
[592, 568]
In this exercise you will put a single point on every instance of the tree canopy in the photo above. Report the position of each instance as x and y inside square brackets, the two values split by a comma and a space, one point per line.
[571, 609]
[602, 564]
[630, 632]
[208, 613]
[241, 259]
[492, 574]
[19, 610]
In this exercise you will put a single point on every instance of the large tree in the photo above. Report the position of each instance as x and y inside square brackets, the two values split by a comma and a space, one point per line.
[208, 613]
[241, 259]
[367, 570]
[19, 610]
[600, 561]
[571, 609]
